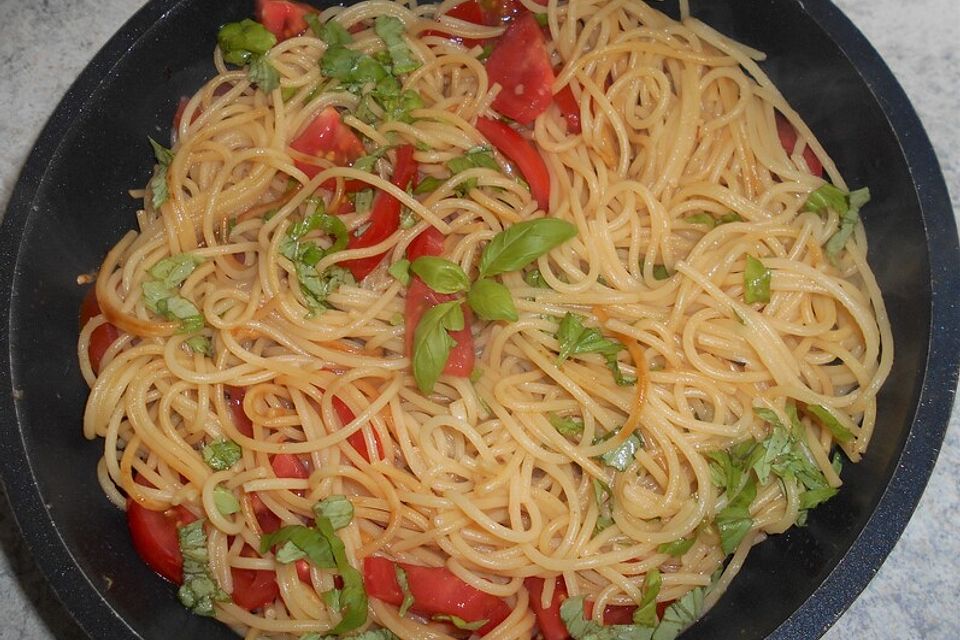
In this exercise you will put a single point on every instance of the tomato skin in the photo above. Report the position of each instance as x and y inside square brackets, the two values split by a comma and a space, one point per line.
[569, 108]
[468, 11]
[154, 535]
[384, 216]
[103, 336]
[435, 590]
[253, 588]
[282, 18]
[548, 619]
[519, 63]
[523, 154]
[420, 297]
[428, 243]
[788, 139]
[267, 519]
[356, 439]
[234, 397]
[287, 465]
[326, 136]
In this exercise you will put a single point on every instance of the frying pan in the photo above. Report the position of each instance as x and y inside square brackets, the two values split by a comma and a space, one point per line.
[71, 204]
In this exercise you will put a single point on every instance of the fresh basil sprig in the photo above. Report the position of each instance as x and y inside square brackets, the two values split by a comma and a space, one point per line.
[520, 244]
[847, 206]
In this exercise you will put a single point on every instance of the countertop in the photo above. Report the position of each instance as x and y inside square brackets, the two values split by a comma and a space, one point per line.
[912, 596]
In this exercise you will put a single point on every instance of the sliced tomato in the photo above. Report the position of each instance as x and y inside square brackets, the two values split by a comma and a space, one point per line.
[154, 535]
[384, 216]
[356, 439]
[103, 336]
[468, 11]
[253, 588]
[234, 397]
[521, 153]
[435, 591]
[303, 571]
[428, 243]
[420, 297]
[282, 18]
[327, 137]
[287, 465]
[496, 12]
[548, 618]
[788, 139]
[267, 519]
[519, 63]
[569, 108]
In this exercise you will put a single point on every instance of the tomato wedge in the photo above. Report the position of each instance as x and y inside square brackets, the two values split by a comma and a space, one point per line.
[435, 590]
[103, 336]
[569, 108]
[521, 153]
[267, 519]
[287, 465]
[327, 137]
[234, 397]
[420, 297]
[519, 63]
[253, 588]
[468, 11]
[154, 535]
[788, 139]
[356, 440]
[282, 18]
[384, 217]
[428, 243]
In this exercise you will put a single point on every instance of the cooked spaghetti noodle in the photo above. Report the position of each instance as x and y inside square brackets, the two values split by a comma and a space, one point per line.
[588, 472]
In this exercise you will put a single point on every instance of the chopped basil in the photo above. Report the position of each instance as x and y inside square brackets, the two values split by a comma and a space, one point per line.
[305, 255]
[576, 339]
[289, 552]
[680, 615]
[701, 218]
[535, 279]
[159, 296]
[158, 184]
[337, 509]
[660, 272]
[222, 454]
[200, 344]
[172, 271]
[353, 597]
[602, 494]
[623, 456]
[432, 343]
[847, 206]
[734, 521]
[199, 590]
[460, 623]
[225, 501]
[391, 31]
[491, 301]
[730, 216]
[541, 18]
[826, 197]
[646, 613]
[440, 274]
[827, 419]
[331, 31]
[476, 158]
[262, 73]
[401, 271]
[571, 612]
[756, 282]
[676, 548]
[427, 184]
[405, 588]
[242, 41]
[520, 244]
[568, 427]
[485, 52]
[308, 540]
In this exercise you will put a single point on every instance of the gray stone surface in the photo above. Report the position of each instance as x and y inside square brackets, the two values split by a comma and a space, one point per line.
[45, 44]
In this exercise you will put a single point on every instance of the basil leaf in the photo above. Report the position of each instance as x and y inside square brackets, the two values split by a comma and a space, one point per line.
[535, 279]
[756, 282]
[163, 155]
[571, 612]
[660, 272]
[432, 343]
[221, 454]
[676, 548]
[331, 32]
[575, 339]
[646, 613]
[428, 184]
[731, 216]
[826, 197]
[351, 68]
[308, 540]
[518, 245]
[734, 521]
[680, 615]
[241, 41]
[337, 509]
[289, 552]
[391, 31]
[158, 183]
[492, 301]
[172, 271]
[225, 501]
[601, 494]
[623, 456]
[477, 158]
[701, 218]
[542, 19]
[262, 73]
[353, 597]
[201, 345]
[199, 590]
[848, 222]
[401, 271]
[566, 426]
[405, 588]
[440, 274]
[460, 623]
[827, 419]
[815, 497]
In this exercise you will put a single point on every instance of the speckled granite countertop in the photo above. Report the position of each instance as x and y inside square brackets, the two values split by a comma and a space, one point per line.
[913, 594]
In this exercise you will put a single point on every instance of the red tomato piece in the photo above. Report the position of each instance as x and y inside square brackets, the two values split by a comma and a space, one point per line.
[569, 107]
[155, 539]
[548, 618]
[234, 397]
[252, 588]
[103, 336]
[420, 297]
[788, 139]
[303, 571]
[356, 440]
[428, 243]
[267, 519]
[520, 64]
[496, 12]
[327, 137]
[521, 153]
[468, 11]
[287, 465]
[282, 18]
[384, 217]
[435, 590]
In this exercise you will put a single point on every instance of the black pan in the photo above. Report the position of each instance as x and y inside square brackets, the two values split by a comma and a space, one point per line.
[71, 204]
